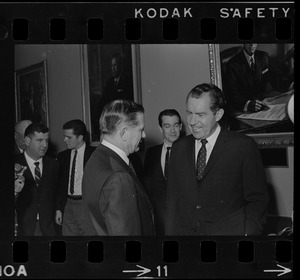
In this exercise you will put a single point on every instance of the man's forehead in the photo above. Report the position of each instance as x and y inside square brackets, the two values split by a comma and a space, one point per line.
[69, 132]
[170, 119]
[40, 135]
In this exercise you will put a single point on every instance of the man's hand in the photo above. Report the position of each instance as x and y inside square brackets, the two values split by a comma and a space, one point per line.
[19, 184]
[58, 217]
[256, 106]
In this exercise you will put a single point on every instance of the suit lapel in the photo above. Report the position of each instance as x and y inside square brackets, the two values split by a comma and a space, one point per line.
[216, 152]
[45, 173]
[190, 159]
[258, 63]
[246, 69]
[27, 173]
[158, 157]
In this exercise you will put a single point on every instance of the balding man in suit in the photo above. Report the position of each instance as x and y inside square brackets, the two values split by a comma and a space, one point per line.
[114, 199]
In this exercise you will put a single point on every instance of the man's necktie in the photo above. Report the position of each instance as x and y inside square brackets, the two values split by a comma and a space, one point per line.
[252, 65]
[201, 160]
[167, 162]
[37, 173]
[73, 173]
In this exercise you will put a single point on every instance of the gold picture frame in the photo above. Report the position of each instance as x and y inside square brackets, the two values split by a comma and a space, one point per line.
[264, 139]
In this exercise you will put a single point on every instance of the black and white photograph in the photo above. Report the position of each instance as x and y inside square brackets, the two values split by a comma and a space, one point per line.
[31, 93]
[147, 156]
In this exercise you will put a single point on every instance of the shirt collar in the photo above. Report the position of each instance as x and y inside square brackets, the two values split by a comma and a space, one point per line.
[212, 138]
[248, 57]
[166, 145]
[120, 152]
[81, 149]
[30, 160]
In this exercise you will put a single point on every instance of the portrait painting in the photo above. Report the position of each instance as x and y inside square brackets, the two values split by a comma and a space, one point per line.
[110, 74]
[31, 96]
[258, 83]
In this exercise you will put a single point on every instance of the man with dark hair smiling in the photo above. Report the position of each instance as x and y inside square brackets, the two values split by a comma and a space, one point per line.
[216, 183]
[156, 165]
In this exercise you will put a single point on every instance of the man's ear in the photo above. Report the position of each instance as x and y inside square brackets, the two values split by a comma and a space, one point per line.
[124, 133]
[160, 129]
[80, 138]
[27, 140]
[219, 114]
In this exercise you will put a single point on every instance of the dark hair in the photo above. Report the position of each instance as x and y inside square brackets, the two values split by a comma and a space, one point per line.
[118, 111]
[217, 97]
[35, 127]
[78, 127]
[170, 113]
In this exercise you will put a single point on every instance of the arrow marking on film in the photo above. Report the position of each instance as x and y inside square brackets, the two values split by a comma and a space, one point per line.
[143, 271]
[283, 271]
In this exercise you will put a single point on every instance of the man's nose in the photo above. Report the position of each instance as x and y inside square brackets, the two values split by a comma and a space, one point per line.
[193, 120]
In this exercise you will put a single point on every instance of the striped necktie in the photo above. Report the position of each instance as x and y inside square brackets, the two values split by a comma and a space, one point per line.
[37, 173]
[252, 64]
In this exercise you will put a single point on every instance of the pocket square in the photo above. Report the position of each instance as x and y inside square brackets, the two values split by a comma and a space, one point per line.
[264, 71]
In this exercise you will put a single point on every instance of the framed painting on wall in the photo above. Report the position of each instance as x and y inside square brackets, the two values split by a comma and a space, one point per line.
[31, 93]
[271, 82]
[109, 72]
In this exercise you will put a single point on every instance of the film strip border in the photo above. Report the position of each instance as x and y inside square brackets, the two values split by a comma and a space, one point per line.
[112, 258]
[144, 23]
[148, 22]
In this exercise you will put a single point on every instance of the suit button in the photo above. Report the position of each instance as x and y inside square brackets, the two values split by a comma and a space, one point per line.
[198, 207]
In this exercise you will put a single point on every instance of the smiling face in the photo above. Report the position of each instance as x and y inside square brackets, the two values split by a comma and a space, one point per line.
[201, 120]
[170, 128]
[37, 145]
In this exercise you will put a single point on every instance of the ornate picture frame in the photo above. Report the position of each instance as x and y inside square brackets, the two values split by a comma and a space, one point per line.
[97, 79]
[264, 136]
[31, 93]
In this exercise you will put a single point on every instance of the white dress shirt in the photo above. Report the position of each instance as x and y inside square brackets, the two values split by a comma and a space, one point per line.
[211, 140]
[117, 150]
[78, 170]
[163, 156]
[31, 164]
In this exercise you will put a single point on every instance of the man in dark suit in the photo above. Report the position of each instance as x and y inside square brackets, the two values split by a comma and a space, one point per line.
[115, 201]
[216, 183]
[34, 204]
[156, 161]
[19, 136]
[249, 77]
[118, 85]
[69, 206]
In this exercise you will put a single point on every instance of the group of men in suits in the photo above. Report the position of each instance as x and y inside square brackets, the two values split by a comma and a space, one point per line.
[211, 182]
[53, 192]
